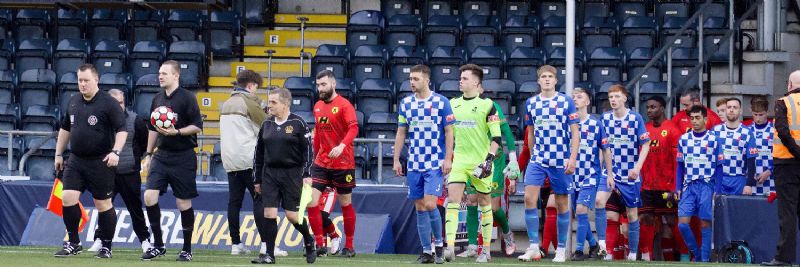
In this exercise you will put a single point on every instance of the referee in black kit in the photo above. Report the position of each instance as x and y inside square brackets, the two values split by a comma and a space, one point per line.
[174, 163]
[95, 126]
[282, 160]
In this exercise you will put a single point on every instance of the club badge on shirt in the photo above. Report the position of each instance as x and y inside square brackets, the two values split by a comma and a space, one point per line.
[289, 129]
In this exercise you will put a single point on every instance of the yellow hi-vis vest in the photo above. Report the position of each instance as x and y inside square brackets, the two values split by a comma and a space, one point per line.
[779, 151]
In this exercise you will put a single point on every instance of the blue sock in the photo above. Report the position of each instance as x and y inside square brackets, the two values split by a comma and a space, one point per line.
[633, 236]
[532, 223]
[436, 226]
[583, 231]
[424, 229]
[600, 223]
[688, 237]
[706, 250]
[590, 237]
[563, 225]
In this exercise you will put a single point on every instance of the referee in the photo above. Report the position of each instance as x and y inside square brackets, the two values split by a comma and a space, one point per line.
[175, 163]
[95, 126]
[282, 161]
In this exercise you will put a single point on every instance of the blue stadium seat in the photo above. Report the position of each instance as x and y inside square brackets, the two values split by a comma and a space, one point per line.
[584, 85]
[361, 121]
[491, 59]
[381, 125]
[638, 31]
[146, 58]
[388, 175]
[650, 89]
[636, 62]
[476, 8]
[553, 33]
[110, 56]
[715, 9]
[444, 62]
[17, 148]
[346, 88]
[254, 11]
[146, 88]
[71, 24]
[598, 32]
[402, 60]
[107, 24]
[664, 10]
[361, 157]
[671, 27]
[375, 95]
[605, 64]
[526, 91]
[333, 58]
[436, 8]
[516, 125]
[624, 10]
[304, 93]
[402, 90]
[67, 87]
[365, 28]
[390, 8]
[597, 8]
[520, 31]
[33, 54]
[225, 27]
[442, 30]
[368, 62]
[308, 117]
[70, 53]
[36, 87]
[502, 91]
[192, 58]
[31, 24]
[6, 23]
[481, 30]
[403, 30]
[145, 25]
[10, 117]
[40, 118]
[184, 25]
[217, 169]
[7, 49]
[546, 9]
[8, 87]
[523, 63]
[558, 59]
[121, 81]
[39, 164]
[449, 89]
[514, 8]
[714, 28]
[601, 97]
[683, 60]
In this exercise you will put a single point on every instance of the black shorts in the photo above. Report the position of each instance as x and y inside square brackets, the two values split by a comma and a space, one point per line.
[176, 169]
[615, 203]
[282, 186]
[654, 203]
[343, 180]
[89, 173]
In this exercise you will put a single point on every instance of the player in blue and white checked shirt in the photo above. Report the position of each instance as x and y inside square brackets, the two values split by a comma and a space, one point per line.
[700, 160]
[762, 131]
[740, 152]
[629, 143]
[553, 130]
[427, 116]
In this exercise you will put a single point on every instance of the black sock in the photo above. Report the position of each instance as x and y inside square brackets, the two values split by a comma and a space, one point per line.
[308, 239]
[98, 233]
[270, 233]
[108, 222]
[154, 216]
[326, 219]
[187, 221]
[72, 217]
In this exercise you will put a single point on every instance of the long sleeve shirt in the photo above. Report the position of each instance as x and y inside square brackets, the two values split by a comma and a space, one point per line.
[284, 144]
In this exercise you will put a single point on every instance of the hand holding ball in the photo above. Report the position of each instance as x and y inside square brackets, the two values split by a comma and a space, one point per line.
[163, 117]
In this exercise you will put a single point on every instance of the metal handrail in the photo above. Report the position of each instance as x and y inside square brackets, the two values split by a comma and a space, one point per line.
[11, 134]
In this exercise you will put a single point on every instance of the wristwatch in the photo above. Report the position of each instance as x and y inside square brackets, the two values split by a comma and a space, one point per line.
[115, 152]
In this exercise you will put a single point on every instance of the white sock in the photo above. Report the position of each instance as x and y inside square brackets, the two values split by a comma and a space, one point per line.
[533, 247]
[263, 249]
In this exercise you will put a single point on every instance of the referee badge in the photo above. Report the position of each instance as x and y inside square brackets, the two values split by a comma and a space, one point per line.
[92, 120]
[289, 129]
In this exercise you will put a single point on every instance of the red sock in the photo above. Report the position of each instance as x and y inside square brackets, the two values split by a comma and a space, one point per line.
[668, 248]
[646, 238]
[612, 235]
[550, 229]
[349, 216]
[331, 231]
[676, 236]
[315, 219]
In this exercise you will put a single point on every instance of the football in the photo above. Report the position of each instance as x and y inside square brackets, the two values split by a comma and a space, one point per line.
[163, 117]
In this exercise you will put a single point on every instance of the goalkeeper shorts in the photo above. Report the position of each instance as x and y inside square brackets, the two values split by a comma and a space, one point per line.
[462, 173]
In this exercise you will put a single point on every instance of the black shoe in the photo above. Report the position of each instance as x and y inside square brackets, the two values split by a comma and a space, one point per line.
[594, 252]
[776, 262]
[154, 252]
[69, 249]
[578, 256]
[425, 258]
[103, 253]
[263, 259]
[311, 254]
[322, 251]
[437, 258]
[184, 256]
[347, 253]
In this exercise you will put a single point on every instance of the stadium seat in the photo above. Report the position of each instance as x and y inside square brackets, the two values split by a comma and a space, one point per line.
[558, 59]
[444, 62]
[217, 169]
[502, 91]
[553, 33]
[6, 23]
[597, 8]
[70, 53]
[10, 117]
[192, 58]
[388, 176]
[605, 64]
[403, 30]
[7, 48]
[32, 54]
[390, 8]
[39, 165]
[39, 118]
[346, 88]
[402, 60]
[17, 148]
[110, 56]
[303, 93]
[520, 31]
[436, 8]
[626, 9]
[546, 9]
[107, 25]
[365, 28]
[598, 32]
[442, 30]
[601, 97]
[637, 31]
[472, 8]
[333, 58]
[522, 64]
[121, 81]
[146, 58]
[31, 24]
[184, 25]
[145, 25]
[714, 28]
[254, 11]
[449, 89]
[381, 125]
[375, 95]
[481, 30]
[361, 157]
[8, 87]
[671, 27]
[664, 10]
[368, 62]
[516, 125]
[683, 60]
[715, 9]
[514, 8]
[402, 90]
[71, 24]
[36, 87]
[360, 117]
[491, 59]
[146, 88]
[225, 27]
[308, 117]
[636, 62]
[650, 89]
[584, 85]
[66, 88]
[526, 91]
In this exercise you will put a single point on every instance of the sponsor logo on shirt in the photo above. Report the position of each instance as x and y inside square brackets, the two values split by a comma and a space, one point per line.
[619, 141]
[466, 124]
[547, 122]
[732, 153]
[423, 124]
[494, 118]
[573, 116]
[644, 136]
[696, 160]
[450, 118]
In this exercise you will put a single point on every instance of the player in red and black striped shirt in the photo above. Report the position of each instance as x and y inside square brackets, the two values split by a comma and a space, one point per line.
[334, 163]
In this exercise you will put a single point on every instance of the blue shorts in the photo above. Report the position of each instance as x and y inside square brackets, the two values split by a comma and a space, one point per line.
[584, 196]
[424, 183]
[732, 185]
[602, 182]
[560, 182]
[696, 200]
[631, 195]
